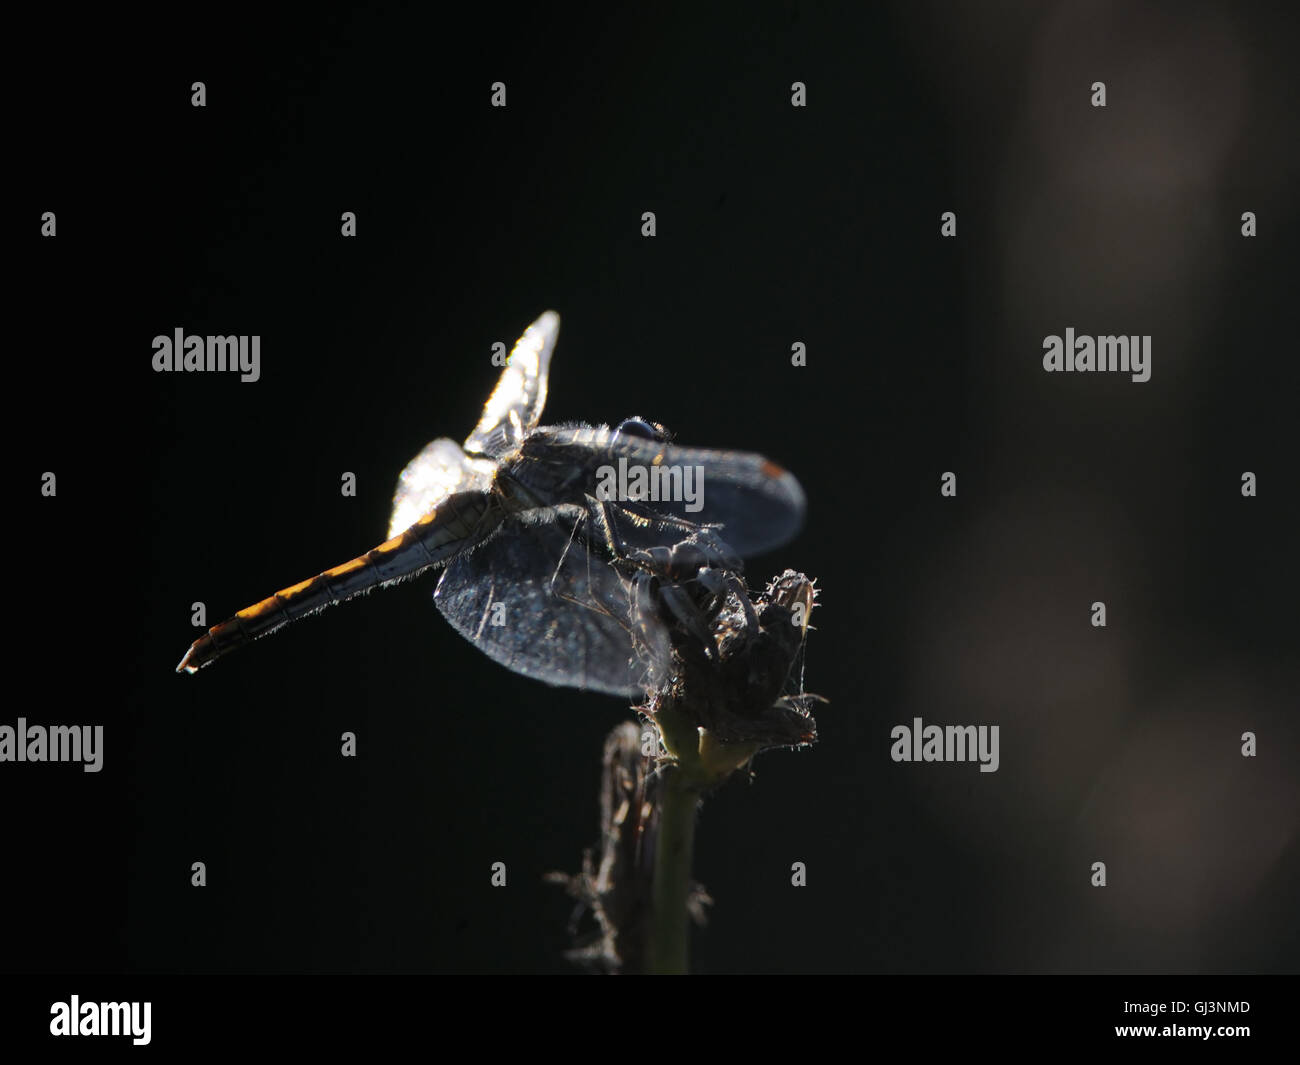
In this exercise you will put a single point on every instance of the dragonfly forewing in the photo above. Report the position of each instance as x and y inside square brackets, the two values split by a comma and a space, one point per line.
[759, 505]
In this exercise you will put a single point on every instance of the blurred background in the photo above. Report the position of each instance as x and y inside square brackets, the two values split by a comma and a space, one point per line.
[776, 225]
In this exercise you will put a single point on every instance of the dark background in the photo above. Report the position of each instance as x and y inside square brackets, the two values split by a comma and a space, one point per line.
[775, 225]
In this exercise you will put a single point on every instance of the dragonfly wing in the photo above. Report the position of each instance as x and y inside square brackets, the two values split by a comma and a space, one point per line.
[759, 505]
[534, 599]
[516, 403]
[440, 470]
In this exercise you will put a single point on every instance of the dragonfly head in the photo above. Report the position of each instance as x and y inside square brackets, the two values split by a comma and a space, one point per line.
[641, 429]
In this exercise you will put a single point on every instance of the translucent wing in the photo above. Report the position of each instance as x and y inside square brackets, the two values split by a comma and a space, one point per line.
[516, 403]
[440, 470]
[759, 505]
[534, 599]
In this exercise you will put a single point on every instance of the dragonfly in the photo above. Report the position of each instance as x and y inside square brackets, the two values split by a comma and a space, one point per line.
[558, 561]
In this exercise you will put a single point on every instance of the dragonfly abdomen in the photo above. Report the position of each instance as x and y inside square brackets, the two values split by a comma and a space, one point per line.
[431, 541]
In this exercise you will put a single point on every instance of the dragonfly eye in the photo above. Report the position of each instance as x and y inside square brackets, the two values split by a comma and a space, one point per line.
[641, 428]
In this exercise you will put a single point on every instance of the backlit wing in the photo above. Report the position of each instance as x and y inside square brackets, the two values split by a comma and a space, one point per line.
[536, 600]
[759, 505]
[440, 470]
[516, 403]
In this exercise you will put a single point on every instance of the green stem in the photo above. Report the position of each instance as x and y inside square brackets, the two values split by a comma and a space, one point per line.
[667, 951]
[699, 762]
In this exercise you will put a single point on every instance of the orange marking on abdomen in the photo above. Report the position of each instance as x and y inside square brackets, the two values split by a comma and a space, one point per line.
[257, 609]
[295, 589]
[771, 469]
[346, 568]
